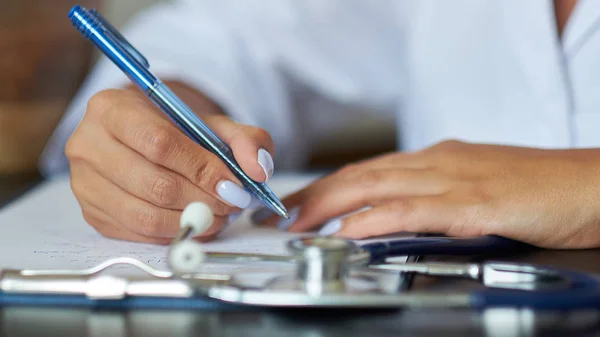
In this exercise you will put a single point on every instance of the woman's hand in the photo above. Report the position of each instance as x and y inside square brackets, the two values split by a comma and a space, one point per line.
[133, 171]
[549, 198]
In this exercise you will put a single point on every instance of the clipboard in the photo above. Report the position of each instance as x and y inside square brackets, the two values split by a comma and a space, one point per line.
[61, 206]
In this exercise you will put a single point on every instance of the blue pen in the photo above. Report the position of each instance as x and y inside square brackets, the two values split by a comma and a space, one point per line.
[95, 28]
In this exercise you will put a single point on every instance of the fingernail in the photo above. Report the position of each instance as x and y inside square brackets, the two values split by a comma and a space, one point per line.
[331, 227]
[266, 162]
[233, 194]
[233, 217]
[283, 223]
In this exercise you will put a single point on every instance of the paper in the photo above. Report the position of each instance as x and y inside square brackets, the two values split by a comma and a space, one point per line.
[45, 230]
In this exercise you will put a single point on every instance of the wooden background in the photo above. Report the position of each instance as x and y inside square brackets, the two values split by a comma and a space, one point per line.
[43, 60]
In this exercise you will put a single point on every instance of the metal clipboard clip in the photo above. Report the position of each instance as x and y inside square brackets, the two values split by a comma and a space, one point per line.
[94, 283]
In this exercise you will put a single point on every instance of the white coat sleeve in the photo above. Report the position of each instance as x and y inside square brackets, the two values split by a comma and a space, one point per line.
[255, 59]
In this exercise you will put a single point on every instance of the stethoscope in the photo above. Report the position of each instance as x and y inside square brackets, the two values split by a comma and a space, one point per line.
[328, 272]
[186, 255]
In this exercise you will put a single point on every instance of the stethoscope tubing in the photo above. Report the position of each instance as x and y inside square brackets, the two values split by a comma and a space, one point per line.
[582, 293]
[421, 246]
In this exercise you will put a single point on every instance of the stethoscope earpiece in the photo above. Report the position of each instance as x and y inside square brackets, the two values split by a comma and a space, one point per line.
[185, 255]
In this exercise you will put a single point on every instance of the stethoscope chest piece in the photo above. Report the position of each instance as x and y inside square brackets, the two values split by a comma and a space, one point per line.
[321, 265]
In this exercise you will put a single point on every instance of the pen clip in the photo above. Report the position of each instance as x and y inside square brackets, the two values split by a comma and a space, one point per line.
[124, 43]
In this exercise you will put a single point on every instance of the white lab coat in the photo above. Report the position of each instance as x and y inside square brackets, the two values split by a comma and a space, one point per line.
[477, 70]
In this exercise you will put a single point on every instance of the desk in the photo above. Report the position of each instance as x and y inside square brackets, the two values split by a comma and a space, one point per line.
[28, 321]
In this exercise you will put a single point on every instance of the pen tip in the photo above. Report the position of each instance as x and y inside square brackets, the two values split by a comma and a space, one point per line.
[278, 207]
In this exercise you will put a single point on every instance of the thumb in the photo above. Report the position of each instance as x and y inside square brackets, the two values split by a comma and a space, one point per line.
[252, 147]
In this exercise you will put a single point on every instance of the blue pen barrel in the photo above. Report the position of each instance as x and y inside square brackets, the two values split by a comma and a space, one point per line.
[443, 246]
[188, 121]
[198, 131]
[111, 45]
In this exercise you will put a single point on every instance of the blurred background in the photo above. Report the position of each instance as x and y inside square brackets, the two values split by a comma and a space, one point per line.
[43, 60]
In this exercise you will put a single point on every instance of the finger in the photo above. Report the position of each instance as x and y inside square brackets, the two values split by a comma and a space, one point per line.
[128, 211]
[146, 180]
[108, 227]
[428, 214]
[252, 147]
[137, 215]
[340, 196]
[405, 160]
[134, 124]
[349, 177]
[292, 202]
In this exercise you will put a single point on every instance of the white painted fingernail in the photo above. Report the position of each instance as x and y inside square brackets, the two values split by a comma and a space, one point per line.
[283, 223]
[266, 162]
[233, 194]
[331, 227]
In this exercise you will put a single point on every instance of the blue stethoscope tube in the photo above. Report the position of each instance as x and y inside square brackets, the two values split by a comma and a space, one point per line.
[583, 293]
[421, 246]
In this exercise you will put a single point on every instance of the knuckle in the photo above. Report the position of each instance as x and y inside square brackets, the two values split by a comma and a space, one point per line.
[158, 141]
[166, 190]
[405, 207]
[445, 152]
[452, 142]
[72, 148]
[100, 102]
[148, 220]
[350, 170]
[371, 178]
[262, 134]
[205, 175]
[449, 145]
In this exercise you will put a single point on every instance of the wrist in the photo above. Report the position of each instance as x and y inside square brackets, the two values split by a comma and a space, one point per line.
[586, 188]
